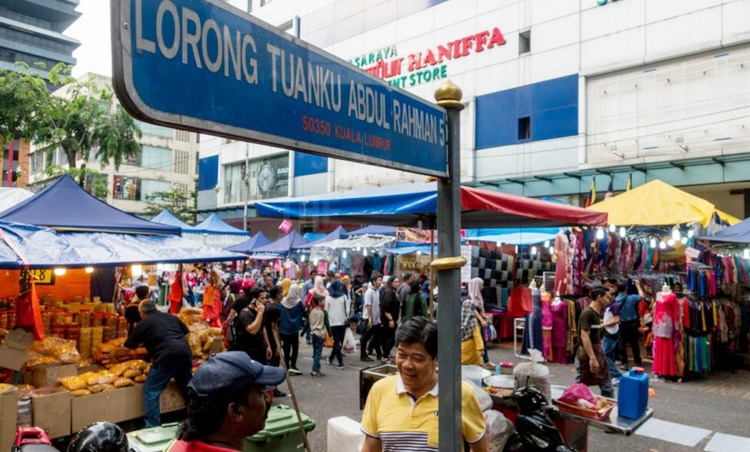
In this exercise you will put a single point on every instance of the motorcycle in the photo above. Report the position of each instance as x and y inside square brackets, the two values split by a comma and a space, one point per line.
[32, 439]
[535, 431]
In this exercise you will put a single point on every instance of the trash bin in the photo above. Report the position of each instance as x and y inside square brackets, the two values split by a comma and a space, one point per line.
[153, 439]
[281, 432]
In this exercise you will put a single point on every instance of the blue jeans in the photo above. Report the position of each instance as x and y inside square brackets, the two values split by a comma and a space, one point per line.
[609, 347]
[157, 380]
[317, 343]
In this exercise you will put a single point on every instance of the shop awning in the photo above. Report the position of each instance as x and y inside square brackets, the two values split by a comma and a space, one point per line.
[511, 236]
[247, 247]
[64, 206]
[407, 205]
[373, 229]
[166, 217]
[23, 245]
[364, 241]
[739, 233]
[659, 204]
[215, 225]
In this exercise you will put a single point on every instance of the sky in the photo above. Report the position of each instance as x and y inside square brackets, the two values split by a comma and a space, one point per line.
[92, 29]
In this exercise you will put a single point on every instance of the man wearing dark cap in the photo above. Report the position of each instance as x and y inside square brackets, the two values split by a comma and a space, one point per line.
[165, 339]
[227, 402]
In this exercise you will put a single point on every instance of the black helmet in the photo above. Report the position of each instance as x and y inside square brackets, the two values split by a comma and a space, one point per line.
[100, 437]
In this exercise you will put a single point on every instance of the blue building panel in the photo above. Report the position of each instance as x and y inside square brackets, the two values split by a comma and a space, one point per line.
[307, 164]
[552, 107]
[208, 173]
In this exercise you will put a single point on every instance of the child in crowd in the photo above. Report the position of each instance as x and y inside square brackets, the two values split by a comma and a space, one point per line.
[319, 326]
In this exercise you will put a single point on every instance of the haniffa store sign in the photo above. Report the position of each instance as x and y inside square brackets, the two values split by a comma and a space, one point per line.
[428, 65]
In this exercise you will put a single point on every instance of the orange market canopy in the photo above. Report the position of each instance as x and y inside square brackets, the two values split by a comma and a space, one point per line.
[657, 203]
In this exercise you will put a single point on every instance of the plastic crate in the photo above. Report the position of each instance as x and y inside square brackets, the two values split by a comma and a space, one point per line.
[153, 439]
[598, 415]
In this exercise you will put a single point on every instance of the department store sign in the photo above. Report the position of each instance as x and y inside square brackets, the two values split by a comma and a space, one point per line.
[427, 65]
[204, 65]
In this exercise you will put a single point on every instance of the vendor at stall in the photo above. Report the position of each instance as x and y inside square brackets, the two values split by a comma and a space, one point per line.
[165, 339]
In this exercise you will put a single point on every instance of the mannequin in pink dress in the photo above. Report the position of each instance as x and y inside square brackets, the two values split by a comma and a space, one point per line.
[559, 330]
[547, 323]
[666, 329]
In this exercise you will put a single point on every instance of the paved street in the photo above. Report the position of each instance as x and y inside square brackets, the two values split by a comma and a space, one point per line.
[718, 404]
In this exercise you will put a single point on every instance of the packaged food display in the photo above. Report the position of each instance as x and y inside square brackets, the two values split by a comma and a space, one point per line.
[97, 336]
[109, 333]
[84, 318]
[97, 319]
[4, 319]
[84, 342]
[59, 348]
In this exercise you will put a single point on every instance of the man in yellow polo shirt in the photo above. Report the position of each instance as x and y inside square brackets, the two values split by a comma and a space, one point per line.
[401, 412]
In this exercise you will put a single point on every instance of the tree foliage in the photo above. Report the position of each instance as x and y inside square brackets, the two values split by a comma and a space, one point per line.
[83, 119]
[91, 180]
[181, 203]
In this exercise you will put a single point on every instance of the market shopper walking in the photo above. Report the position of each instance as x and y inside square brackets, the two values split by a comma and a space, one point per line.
[290, 324]
[319, 326]
[629, 323]
[271, 319]
[371, 312]
[390, 307]
[338, 319]
[165, 339]
[226, 402]
[591, 364]
[250, 332]
[610, 338]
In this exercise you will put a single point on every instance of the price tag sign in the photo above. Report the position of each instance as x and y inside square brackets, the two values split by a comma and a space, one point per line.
[43, 276]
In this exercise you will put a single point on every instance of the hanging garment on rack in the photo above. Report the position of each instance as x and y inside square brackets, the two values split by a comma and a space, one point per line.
[666, 326]
[532, 333]
[559, 311]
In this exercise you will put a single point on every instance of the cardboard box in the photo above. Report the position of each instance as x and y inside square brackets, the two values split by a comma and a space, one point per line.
[8, 420]
[90, 368]
[51, 408]
[171, 399]
[113, 406]
[47, 375]
[11, 358]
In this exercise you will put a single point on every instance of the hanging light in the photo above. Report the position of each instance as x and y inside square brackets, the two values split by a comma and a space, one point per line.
[419, 252]
[691, 233]
[746, 253]
[303, 258]
[315, 262]
[59, 271]
[623, 231]
[136, 270]
[676, 234]
[533, 251]
[684, 240]
[344, 254]
[662, 244]
[652, 243]
[499, 244]
[546, 243]
[599, 234]
[364, 252]
[89, 269]
[552, 250]
[612, 228]
[671, 242]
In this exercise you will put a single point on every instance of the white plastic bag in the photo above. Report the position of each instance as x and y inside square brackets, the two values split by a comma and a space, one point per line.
[534, 373]
[349, 347]
[499, 429]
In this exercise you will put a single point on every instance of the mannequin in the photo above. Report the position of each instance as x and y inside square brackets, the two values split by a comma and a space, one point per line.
[667, 335]
[532, 286]
[546, 322]
[532, 334]
[559, 312]
[665, 289]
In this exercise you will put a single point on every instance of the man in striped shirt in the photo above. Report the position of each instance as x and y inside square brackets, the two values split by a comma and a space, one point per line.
[401, 413]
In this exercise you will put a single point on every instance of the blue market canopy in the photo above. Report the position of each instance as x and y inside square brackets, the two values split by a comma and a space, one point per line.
[373, 229]
[23, 245]
[64, 206]
[336, 234]
[215, 225]
[283, 245]
[166, 217]
[511, 236]
[739, 233]
[408, 205]
[249, 245]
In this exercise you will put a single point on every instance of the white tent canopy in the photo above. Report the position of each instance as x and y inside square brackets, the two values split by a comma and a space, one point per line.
[366, 243]
[10, 196]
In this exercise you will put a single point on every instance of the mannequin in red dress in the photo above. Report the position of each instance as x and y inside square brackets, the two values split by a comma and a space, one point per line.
[666, 330]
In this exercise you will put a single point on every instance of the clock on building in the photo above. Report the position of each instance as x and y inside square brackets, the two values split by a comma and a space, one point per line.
[266, 178]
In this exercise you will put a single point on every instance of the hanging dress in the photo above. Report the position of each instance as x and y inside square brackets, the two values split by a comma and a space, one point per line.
[546, 298]
[666, 329]
[559, 311]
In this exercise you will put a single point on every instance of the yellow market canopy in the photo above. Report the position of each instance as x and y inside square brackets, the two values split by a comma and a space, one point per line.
[657, 203]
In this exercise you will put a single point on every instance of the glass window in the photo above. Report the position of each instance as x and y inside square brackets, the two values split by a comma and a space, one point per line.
[154, 130]
[156, 158]
[524, 42]
[149, 187]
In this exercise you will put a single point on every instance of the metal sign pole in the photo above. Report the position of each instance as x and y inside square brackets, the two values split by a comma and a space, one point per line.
[449, 265]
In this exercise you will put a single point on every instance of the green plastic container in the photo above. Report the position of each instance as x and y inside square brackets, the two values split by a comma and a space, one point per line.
[281, 433]
[153, 439]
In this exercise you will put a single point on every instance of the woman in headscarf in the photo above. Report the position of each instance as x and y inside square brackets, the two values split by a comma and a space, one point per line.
[471, 337]
[285, 284]
[475, 294]
[337, 318]
[234, 292]
[318, 290]
[413, 305]
[290, 324]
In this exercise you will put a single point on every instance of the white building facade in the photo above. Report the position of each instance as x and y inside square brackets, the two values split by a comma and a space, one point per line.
[168, 159]
[557, 94]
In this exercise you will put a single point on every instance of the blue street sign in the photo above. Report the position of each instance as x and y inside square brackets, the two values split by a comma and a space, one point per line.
[207, 66]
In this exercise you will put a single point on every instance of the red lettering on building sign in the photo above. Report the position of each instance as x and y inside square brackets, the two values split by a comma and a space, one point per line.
[452, 50]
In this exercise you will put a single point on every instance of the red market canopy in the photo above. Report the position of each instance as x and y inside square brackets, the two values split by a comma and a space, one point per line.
[407, 205]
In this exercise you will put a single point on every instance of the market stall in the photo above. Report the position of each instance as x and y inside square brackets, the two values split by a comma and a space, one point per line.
[216, 232]
[166, 217]
[249, 245]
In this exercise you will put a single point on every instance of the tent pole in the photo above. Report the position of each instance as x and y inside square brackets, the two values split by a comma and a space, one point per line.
[448, 266]
[431, 308]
